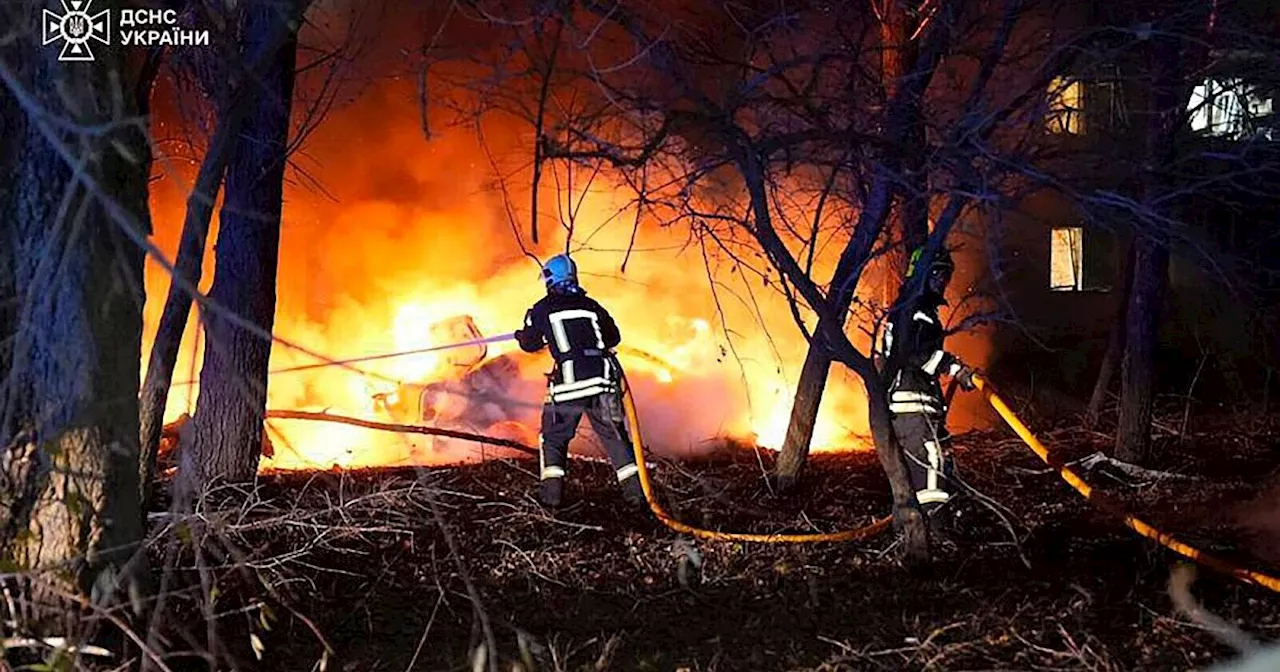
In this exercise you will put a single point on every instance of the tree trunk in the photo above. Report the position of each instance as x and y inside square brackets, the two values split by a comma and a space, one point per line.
[1166, 60]
[907, 517]
[899, 57]
[804, 412]
[1115, 344]
[915, 205]
[1142, 327]
[232, 106]
[177, 306]
[906, 511]
[69, 434]
[225, 442]
[817, 362]
[913, 200]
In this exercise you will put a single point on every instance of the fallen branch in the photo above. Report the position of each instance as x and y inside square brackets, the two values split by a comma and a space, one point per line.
[56, 643]
[1098, 459]
[486, 654]
[403, 429]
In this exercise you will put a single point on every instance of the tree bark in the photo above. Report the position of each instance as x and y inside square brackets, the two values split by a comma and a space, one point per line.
[225, 441]
[804, 412]
[231, 107]
[1142, 327]
[907, 517]
[906, 512]
[177, 306]
[1115, 343]
[817, 362]
[1166, 59]
[899, 57]
[913, 199]
[69, 435]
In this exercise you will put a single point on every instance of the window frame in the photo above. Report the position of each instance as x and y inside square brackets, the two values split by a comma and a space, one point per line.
[1235, 119]
[1081, 105]
[1074, 247]
[1066, 100]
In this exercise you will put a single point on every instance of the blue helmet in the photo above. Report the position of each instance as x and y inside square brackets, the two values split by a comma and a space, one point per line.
[560, 272]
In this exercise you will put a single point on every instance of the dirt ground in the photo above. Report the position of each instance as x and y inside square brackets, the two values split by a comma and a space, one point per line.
[596, 587]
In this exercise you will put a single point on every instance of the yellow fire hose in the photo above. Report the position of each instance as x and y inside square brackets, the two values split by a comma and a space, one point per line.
[877, 526]
[1134, 523]
[637, 443]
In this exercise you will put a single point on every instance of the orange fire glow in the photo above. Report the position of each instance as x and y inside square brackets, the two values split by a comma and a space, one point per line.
[411, 232]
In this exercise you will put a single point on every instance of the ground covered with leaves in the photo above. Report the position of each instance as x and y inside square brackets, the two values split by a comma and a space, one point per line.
[414, 568]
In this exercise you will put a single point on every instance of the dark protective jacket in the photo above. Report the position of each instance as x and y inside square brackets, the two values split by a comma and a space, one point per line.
[915, 357]
[580, 333]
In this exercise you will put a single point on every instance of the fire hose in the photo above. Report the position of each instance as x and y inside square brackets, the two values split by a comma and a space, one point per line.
[1132, 522]
[1069, 475]
[637, 444]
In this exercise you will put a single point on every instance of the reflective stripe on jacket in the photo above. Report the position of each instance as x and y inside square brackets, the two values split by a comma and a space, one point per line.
[579, 333]
[915, 357]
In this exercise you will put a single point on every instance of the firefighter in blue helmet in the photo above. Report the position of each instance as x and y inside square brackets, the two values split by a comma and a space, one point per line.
[581, 336]
[915, 360]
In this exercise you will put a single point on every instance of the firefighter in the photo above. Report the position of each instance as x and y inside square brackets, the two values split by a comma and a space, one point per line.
[915, 360]
[581, 336]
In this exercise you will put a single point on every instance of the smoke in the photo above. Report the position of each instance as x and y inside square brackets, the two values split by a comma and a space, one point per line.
[386, 233]
[1260, 521]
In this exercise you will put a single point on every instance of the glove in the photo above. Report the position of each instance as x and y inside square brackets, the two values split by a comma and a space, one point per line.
[964, 376]
[528, 339]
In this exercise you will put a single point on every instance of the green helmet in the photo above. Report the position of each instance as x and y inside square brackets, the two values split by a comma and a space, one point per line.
[942, 260]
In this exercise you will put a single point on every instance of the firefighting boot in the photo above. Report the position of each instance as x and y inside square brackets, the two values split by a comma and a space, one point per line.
[550, 492]
[968, 518]
[940, 518]
[633, 493]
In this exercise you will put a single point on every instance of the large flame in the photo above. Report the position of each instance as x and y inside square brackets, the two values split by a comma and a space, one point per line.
[410, 232]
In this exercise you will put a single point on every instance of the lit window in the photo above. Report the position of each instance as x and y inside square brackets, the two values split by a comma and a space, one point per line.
[1225, 107]
[1066, 106]
[1066, 259]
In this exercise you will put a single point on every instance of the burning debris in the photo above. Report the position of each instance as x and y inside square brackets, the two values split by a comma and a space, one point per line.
[490, 396]
[456, 384]
[460, 329]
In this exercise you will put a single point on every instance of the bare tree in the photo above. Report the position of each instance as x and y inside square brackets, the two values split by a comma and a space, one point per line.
[488, 65]
[900, 28]
[74, 141]
[1161, 69]
[1166, 61]
[229, 90]
[225, 441]
[734, 109]
[1115, 345]
[1182, 46]
[225, 82]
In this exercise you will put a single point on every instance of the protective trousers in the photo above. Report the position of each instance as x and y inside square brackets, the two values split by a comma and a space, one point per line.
[926, 441]
[559, 424]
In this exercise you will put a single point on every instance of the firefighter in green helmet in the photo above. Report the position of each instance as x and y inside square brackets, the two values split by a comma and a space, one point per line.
[915, 360]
